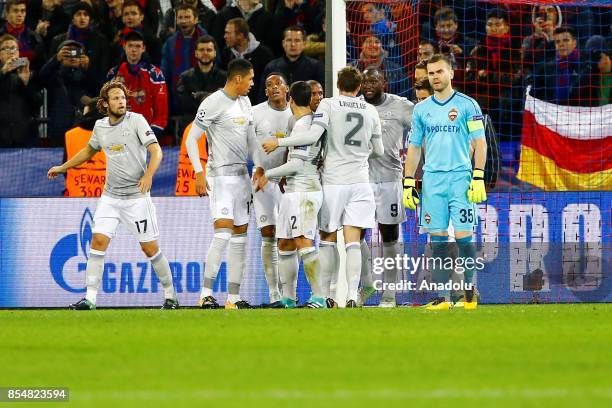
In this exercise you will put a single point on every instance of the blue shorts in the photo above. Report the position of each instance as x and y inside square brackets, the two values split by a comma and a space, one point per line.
[443, 199]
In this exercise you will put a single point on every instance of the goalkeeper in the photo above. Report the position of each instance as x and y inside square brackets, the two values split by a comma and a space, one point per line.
[447, 121]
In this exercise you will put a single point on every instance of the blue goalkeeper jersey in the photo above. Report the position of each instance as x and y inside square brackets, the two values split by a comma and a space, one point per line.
[448, 128]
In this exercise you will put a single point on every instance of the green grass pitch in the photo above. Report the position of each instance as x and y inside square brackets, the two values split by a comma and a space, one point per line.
[496, 356]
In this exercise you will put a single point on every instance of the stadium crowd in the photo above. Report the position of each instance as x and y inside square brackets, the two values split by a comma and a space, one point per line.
[172, 54]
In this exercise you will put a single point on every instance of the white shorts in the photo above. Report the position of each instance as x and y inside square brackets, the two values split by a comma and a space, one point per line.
[298, 215]
[137, 214]
[230, 198]
[389, 205]
[265, 203]
[347, 204]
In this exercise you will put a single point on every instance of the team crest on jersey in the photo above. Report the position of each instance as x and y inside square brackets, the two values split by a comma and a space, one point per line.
[140, 96]
[427, 218]
[452, 114]
[225, 211]
[263, 218]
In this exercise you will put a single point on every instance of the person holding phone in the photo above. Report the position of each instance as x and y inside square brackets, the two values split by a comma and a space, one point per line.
[20, 100]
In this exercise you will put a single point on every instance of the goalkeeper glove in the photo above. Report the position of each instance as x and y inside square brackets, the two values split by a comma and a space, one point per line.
[477, 192]
[411, 195]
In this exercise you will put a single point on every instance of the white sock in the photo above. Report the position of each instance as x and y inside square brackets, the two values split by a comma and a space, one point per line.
[235, 266]
[269, 257]
[366, 265]
[93, 273]
[213, 260]
[312, 269]
[391, 275]
[162, 269]
[353, 269]
[288, 269]
[327, 256]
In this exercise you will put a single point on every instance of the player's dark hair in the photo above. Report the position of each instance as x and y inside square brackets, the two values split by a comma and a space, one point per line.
[294, 28]
[565, 29]
[301, 93]
[238, 67]
[104, 94]
[312, 82]
[349, 79]
[240, 26]
[440, 57]
[280, 74]
[422, 65]
[423, 84]
[445, 14]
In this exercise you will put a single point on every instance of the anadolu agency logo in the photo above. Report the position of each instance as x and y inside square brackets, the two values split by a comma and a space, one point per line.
[125, 277]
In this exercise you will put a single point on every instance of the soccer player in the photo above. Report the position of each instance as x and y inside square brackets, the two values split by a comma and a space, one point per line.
[125, 137]
[300, 205]
[271, 119]
[317, 94]
[227, 118]
[353, 130]
[449, 122]
[395, 114]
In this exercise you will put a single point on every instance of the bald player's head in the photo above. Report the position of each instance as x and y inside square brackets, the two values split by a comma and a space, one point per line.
[373, 84]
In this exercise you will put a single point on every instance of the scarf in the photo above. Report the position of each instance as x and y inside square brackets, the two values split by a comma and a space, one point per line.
[495, 46]
[78, 34]
[185, 58]
[565, 66]
[19, 32]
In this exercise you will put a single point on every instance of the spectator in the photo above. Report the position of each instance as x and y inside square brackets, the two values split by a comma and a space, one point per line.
[178, 53]
[293, 65]
[307, 14]
[206, 16]
[604, 68]
[145, 81]
[111, 18]
[449, 39]
[539, 47]
[566, 80]
[30, 43]
[20, 100]
[426, 50]
[261, 22]
[132, 17]
[373, 55]
[198, 82]
[598, 53]
[493, 68]
[65, 77]
[420, 73]
[96, 46]
[317, 94]
[423, 90]
[240, 43]
[48, 18]
[382, 28]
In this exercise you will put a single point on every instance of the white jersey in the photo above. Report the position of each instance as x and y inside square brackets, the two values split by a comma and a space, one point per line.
[125, 145]
[228, 124]
[271, 122]
[308, 178]
[351, 124]
[395, 115]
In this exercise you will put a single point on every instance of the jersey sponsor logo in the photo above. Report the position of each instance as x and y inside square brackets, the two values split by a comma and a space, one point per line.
[149, 133]
[452, 114]
[443, 128]
[116, 148]
[279, 135]
[240, 121]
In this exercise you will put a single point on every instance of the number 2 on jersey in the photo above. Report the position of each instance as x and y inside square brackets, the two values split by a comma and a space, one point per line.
[348, 140]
